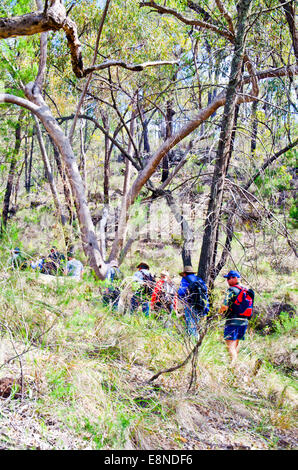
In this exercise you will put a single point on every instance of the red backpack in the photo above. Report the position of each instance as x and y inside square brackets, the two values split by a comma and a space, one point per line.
[243, 304]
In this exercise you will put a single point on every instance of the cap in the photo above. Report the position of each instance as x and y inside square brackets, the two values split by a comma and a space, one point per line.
[232, 274]
[17, 250]
[143, 266]
[187, 270]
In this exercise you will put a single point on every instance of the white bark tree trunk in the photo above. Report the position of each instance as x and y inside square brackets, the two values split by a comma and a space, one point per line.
[37, 105]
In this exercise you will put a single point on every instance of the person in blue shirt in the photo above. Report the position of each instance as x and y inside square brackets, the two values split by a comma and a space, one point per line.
[191, 312]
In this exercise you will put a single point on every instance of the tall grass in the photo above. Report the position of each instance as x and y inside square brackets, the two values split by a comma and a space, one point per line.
[88, 368]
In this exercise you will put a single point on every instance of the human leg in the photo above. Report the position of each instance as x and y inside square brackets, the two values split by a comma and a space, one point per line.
[145, 308]
[191, 321]
[233, 348]
[232, 334]
[134, 303]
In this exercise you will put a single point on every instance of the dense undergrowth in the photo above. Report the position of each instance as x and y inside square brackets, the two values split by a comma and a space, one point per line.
[86, 373]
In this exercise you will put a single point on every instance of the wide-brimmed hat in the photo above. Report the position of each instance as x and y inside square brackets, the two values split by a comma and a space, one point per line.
[187, 270]
[142, 266]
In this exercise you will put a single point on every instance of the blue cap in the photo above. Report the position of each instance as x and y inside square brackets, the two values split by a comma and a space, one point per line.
[232, 274]
[17, 250]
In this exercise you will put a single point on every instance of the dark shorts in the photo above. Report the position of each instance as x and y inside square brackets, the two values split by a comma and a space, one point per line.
[234, 332]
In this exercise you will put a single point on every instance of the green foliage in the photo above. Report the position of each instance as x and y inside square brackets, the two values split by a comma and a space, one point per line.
[10, 237]
[286, 323]
[16, 7]
[109, 431]
[293, 213]
[273, 181]
[21, 7]
[60, 386]
[92, 364]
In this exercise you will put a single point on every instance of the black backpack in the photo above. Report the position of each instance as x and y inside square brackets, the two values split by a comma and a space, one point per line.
[197, 295]
[111, 296]
[149, 282]
[49, 267]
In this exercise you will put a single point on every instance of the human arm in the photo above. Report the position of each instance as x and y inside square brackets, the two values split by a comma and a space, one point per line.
[223, 309]
[230, 296]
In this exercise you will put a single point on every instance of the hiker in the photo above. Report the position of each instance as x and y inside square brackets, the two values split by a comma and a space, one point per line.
[49, 267]
[18, 260]
[164, 294]
[111, 293]
[193, 291]
[38, 264]
[144, 292]
[56, 261]
[56, 256]
[113, 272]
[74, 267]
[237, 307]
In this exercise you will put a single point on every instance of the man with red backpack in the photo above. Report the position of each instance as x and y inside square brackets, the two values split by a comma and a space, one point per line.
[237, 306]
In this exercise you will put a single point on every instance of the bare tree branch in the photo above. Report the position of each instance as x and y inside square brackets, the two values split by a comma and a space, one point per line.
[189, 21]
[71, 132]
[55, 18]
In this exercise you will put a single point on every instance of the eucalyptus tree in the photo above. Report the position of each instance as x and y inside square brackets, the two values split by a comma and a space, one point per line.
[213, 23]
[52, 16]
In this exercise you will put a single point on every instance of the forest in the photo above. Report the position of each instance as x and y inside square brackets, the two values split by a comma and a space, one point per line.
[157, 133]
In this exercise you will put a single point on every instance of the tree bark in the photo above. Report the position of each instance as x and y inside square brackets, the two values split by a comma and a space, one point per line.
[187, 233]
[169, 132]
[289, 8]
[82, 164]
[123, 219]
[107, 155]
[253, 143]
[206, 263]
[11, 174]
[66, 189]
[37, 105]
[49, 173]
[29, 164]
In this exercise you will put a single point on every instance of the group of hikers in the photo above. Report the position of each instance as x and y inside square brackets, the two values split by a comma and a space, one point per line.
[160, 296]
[155, 296]
[55, 263]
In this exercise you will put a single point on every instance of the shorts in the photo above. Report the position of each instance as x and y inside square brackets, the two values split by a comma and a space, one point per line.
[234, 332]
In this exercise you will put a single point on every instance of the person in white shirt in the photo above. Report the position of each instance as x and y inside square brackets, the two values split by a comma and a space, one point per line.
[74, 267]
[143, 294]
